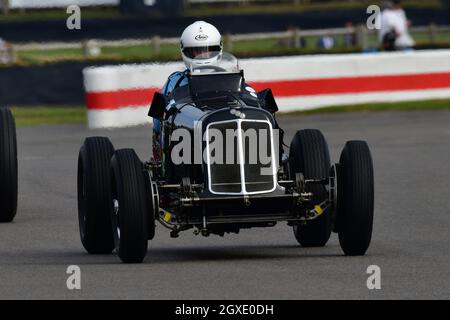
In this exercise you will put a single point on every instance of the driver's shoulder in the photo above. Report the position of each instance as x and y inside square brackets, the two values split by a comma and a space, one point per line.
[175, 80]
[177, 75]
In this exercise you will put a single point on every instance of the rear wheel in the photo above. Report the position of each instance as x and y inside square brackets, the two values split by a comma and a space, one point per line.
[8, 166]
[356, 202]
[131, 207]
[309, 155]
[94, 195]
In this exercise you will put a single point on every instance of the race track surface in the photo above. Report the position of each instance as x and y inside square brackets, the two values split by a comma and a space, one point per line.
[410, 244]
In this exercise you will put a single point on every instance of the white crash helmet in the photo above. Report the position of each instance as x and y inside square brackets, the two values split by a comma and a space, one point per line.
[201, 45]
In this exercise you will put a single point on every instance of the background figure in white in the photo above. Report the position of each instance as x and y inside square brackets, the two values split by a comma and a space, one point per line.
[394, 33]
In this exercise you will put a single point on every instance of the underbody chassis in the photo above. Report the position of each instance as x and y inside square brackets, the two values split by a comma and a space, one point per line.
[190, 207]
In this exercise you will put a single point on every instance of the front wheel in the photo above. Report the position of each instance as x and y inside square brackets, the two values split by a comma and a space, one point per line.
[130, 206]
[310, 156]
[8, 166]
[356, 199]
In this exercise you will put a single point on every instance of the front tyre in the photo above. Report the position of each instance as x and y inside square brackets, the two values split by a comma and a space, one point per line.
[8, 166]
[130, 206]
[309, 155]
[356, 203]
[94, 195]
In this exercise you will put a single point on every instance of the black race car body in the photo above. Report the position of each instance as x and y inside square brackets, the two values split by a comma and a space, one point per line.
[228, 194]
[219, 166]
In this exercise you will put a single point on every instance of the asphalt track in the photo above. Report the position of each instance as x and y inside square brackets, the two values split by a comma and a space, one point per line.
[410, 244]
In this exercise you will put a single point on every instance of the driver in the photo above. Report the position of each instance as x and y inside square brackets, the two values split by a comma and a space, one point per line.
[201, 45]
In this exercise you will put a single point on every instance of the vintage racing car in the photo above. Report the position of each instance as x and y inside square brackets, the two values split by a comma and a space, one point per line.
[8, 166]
[187, 183]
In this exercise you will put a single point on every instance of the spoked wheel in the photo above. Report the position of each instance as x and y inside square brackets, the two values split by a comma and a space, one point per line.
[309, 155]
[355, 209]
[94, 195]
[8, 166]
[131, 207]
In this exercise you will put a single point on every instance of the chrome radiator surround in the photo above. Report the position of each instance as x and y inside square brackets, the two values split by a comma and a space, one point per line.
[237, 124]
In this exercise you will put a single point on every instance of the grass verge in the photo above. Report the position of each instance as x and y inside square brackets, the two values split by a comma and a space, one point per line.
[378, 107]
[34, 116]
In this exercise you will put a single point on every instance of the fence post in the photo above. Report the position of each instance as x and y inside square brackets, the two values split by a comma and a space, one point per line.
[5, 6]
[228, 42]
[362, 37]
[12, 53]
[156, 45]
[433, 32]
[296, 38]
[91, 48]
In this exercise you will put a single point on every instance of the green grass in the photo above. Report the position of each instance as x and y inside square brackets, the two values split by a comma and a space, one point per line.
[138, 53]
[420, 38]
[35, 116]
[379, 107]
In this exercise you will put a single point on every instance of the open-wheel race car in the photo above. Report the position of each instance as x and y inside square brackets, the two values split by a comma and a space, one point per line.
[8, 166]
[219, 166]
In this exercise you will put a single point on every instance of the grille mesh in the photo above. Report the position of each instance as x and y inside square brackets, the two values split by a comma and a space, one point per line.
[256, 178]
[225, 175]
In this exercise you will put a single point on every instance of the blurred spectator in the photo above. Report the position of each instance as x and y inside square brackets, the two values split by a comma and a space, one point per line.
[3, 51]
[6, 52]
[326, 42]
[394, 34]
[350, 36]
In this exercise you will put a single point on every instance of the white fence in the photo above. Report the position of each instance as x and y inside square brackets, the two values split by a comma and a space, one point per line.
[294, 35]
[119, 96]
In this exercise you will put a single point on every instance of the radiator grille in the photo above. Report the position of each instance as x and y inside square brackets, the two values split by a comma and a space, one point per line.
[240, 157]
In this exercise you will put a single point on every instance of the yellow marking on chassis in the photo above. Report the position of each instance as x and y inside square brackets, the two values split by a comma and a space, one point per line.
[318, 210]
[167, 217]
